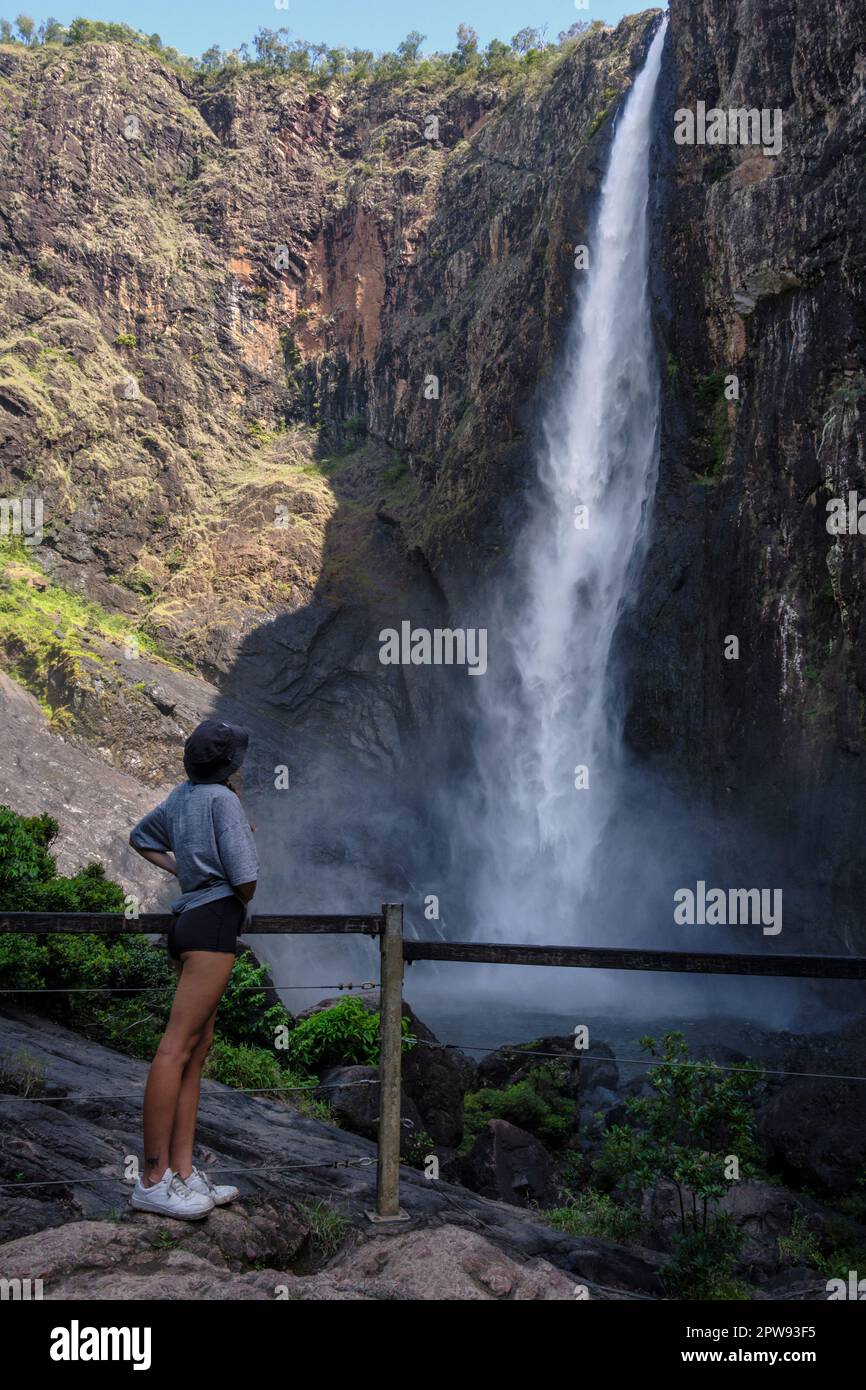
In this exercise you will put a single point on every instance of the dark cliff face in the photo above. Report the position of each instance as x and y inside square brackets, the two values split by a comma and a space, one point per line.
[222, 307]
[220, 332]
[760, 275]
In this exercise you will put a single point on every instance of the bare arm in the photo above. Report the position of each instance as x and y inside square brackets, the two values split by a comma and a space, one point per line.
[245, 890]
[160, 858]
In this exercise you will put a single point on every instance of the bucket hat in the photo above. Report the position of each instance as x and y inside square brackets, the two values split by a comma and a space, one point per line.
[214, 750]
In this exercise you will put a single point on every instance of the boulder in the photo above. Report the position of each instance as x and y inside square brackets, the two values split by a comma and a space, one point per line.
[508, 1163]
[435, 1077]
[507, 1065]
[444, 1263]
[798, 1285]
[813, 1132]
[353, 1094]
[598, 1073]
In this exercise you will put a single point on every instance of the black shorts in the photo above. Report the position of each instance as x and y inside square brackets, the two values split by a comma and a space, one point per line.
[212, 926]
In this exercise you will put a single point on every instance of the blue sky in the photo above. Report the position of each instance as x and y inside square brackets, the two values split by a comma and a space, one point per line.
[193, 25]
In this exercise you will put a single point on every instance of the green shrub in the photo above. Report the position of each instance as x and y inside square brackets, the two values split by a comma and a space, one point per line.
[242, 1017]
[28, 883]
[328, 1227]
[255, 1068]
[593, 1213]
[540, 1104]
[703, 1262]
[800, 1246]
[131, 1022]
[684, 1133]
[24, 857]
[416, 1148]
[346, 1035]
[28, 878]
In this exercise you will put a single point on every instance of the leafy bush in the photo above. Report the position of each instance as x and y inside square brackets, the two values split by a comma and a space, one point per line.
[838, 1249]
[539, 1103]
[416, 1148]
[28, 878]
[328, 1225]
[685, 1133]
[346, 1035]
[800, 1246]
[593, 1213]
[703, 1262]
[242, 1017]
[29, 883]
[24, 857]
[133, 1022]
[257, 1068]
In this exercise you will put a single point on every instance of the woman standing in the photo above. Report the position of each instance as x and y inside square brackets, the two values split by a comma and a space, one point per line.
[201, 835]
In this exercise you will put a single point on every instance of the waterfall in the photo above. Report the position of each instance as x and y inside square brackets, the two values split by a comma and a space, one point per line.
[550, 705]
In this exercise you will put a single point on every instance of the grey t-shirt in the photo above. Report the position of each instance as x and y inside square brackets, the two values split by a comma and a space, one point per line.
[203, 825]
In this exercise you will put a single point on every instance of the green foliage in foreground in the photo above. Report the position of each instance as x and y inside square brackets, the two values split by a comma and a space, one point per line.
[346, 1035]
[684, 1133]
[328, 1225]
[593, 1213]
[540, 1103]
[243, 1054]
[29, 881]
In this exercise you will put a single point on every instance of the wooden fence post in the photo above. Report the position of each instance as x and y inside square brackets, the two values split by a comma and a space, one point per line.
[388, 1207]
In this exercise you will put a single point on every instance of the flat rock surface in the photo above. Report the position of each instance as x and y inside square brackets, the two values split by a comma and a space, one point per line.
[107, 1260]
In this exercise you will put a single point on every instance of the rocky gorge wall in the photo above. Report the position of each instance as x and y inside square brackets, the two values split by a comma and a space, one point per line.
[760, 275]
[222, 301]
[220, 323]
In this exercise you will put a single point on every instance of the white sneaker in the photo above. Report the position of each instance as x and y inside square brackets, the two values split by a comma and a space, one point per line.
[201, 1184]
[171, 1197]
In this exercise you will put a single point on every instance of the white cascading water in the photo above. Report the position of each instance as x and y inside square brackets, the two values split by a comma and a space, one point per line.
[556, 708]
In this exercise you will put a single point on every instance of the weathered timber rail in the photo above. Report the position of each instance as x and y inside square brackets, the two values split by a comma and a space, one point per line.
[812, 967]
[156, 923]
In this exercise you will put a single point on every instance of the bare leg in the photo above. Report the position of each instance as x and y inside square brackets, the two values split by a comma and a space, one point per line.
[202, 981]
[183, 1133]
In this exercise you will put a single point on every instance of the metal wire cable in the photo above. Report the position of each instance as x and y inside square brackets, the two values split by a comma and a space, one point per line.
[632, 1061]
[476, 1047]
[150, 989]
[264, 1168]
[245, 1090]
